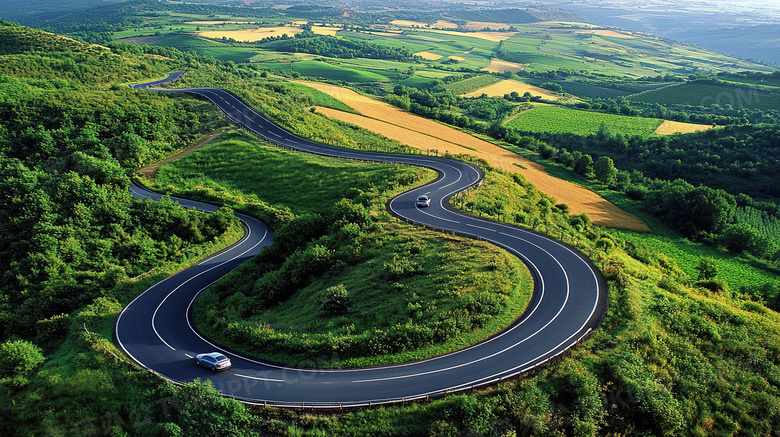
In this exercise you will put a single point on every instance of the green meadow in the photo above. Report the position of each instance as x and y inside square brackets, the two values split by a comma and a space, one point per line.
[705, 94]
[560, 119]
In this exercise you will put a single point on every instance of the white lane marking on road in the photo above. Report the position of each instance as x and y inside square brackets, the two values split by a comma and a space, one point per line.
[154, 316]
[480, 227]
[188, 356]
[259, 379]
[436, 216]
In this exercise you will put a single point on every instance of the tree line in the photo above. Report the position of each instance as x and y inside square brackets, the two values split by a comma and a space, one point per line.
[308, 42]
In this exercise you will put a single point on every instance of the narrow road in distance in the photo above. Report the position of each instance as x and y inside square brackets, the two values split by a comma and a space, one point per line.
[570, 300]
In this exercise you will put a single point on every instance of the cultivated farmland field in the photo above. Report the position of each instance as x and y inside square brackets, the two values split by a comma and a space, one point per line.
[702, 94]
[487, 36]
[428, 56]
[499, 66]
[329, 71]
[670, 127]
[258, 33]
[471, 84]
[557, 119]
[427, 135]
[499, 89]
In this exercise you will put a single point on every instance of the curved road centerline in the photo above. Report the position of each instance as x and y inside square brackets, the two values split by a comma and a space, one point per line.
[570, 298]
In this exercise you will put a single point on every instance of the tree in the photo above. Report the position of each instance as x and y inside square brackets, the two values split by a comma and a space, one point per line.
[743, 238]
[605, 170]
[584, 164]
[707, 269]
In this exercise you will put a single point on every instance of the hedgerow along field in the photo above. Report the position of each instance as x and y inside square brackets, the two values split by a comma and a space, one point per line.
[403, 282]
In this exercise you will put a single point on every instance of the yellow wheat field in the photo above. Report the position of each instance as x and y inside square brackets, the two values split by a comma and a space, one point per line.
[507, 86]
[251, 35]
[426, 134]
[605, 32]
[457, 58]
[669, 127]
[428, 56]
[479, 25]
[497, 66]
[489, 36]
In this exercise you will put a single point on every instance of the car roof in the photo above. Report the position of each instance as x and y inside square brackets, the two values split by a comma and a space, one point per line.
[216, 355]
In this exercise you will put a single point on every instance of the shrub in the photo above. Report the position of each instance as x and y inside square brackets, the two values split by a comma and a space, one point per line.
[19, 358]
[400, 267]
[336, 300]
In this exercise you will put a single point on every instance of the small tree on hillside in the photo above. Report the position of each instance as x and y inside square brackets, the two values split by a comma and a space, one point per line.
[605, 170]
[18, 359]
[584, 165]
[336, 300]
[707, 269]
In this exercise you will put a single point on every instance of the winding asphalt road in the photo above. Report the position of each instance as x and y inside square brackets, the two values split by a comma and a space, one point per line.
[570, 299]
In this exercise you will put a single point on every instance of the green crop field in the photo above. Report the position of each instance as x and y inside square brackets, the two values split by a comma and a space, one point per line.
[581, 89]
[187, 43]
[472, 84]
[736, 271]
[329, 71]
[701, 94]
[399, 42]
[558, 119]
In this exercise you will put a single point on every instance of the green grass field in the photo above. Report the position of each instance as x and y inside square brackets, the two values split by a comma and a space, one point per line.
[330, 71]
[472, 84]
[736, 271]
[559, 119]
[235, 163]
[699, 94]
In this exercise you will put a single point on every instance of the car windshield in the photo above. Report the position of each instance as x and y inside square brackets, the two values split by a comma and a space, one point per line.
[220, 357]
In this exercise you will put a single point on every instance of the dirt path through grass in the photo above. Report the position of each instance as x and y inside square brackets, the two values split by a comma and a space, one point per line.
[150, 171]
